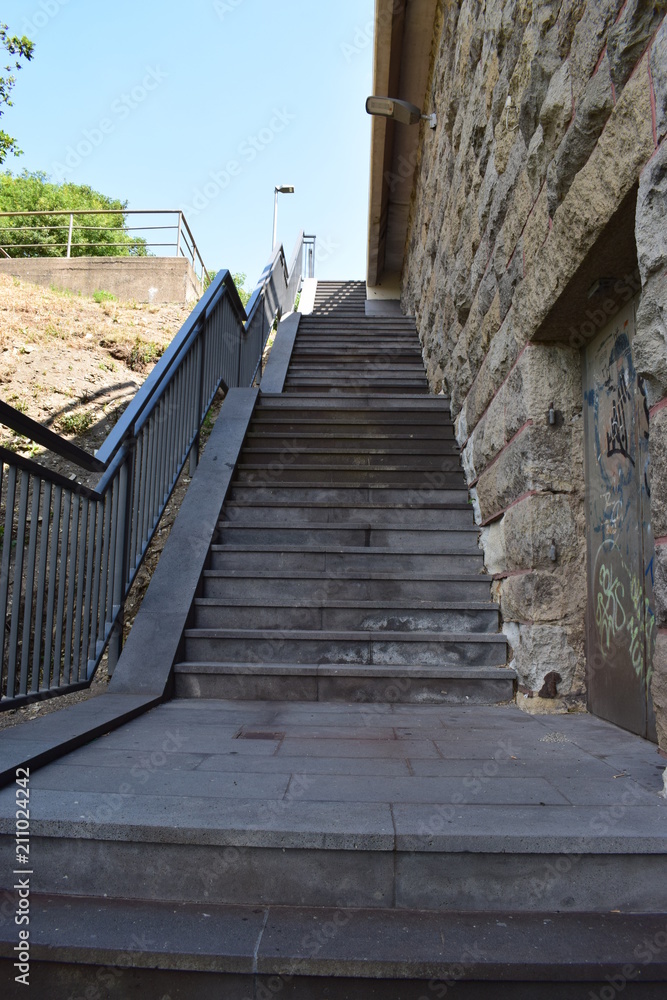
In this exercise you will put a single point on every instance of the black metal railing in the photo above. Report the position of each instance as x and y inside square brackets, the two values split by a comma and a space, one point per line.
[70, 552]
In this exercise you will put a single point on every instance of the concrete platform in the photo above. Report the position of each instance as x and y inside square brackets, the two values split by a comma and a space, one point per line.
[376, 777]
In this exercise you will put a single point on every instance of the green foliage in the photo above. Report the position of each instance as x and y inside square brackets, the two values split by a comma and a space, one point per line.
[239, 280]
[33, 192]
[101, 296]
[75, 423]
[144, 353]
[20, 48]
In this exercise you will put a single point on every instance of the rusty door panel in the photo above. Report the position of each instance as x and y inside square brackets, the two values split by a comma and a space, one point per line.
[621, 626]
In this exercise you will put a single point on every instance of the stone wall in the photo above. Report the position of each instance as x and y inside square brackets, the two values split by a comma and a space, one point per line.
[552, 116]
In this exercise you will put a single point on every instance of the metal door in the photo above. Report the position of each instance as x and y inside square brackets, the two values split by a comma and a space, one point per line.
[620, 617]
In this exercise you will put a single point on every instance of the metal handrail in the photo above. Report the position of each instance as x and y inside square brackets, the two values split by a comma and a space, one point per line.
[179, 243]
[69, 552]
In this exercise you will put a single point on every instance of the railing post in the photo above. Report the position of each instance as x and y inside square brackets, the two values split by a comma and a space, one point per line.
[69, 235]
[194, 452]
[180, 230]
[122, 564]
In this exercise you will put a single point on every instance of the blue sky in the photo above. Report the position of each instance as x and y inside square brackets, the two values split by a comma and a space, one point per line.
[205, 105]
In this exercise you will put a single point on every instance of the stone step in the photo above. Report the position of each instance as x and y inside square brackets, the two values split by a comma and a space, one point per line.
[376, 407]
[366, 586]
[404, 649]
[322, 476]
[373, 493]
[352, 684]
[358, 535]
[333, 367]
[323, 437]
[341, 953]
[402, 433]
[445, 459]
[407, 516]
[368, 616]
[352, 560]
[350, 389]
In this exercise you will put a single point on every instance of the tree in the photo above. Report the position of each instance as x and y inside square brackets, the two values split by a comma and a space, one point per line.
[239, 280]
[20, 48]
[46, 236]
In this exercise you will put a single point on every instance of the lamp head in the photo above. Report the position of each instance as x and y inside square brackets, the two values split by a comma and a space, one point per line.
[390, 107]
[285, 188]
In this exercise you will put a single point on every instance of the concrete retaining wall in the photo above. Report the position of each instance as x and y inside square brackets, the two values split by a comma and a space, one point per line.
[142, 279]
[547, 170]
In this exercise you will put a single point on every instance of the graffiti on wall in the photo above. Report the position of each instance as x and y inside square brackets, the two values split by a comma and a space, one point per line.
[621, 585]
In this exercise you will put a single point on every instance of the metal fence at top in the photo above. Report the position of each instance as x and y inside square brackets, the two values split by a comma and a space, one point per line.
[68, 552]
[65, 233]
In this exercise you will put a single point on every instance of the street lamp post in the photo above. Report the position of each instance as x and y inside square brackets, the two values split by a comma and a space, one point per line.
[280, 189]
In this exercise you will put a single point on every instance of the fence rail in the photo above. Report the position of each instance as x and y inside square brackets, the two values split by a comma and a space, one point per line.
[68, 552]
[44, 236]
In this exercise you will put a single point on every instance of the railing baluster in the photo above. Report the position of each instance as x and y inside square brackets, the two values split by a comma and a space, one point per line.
[17, 584]
[8, 531]
[30, 585]
[90, 572]
[48, 679]
[72, 587]
[81, 581]
[41, 588]
[97, 583]
[58, 656]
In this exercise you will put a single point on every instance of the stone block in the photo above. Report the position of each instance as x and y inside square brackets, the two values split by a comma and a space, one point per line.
[660, 585]
[517, 214]
[544, 374]
[624, 147]
[650, 228]
[490, 323]
[509, 281]
[536, 230]
[538, 650]
[650, 342]
[538, 459]
[570, 14]
[589, 40]
[629, 36]
[556, 110]
[578, 144]
[542, 597]
[500, 358]
[531, 526]
[492, 541]
[658, 452]
[537, 158]
[659, 688]
[659, 74]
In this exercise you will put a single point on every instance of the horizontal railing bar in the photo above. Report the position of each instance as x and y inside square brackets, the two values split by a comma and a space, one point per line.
[28, 465]
[221, 285]
[97, 211]
[35, 431]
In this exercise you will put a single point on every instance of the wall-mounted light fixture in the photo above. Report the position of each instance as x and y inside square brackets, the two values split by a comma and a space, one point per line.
[401, 111]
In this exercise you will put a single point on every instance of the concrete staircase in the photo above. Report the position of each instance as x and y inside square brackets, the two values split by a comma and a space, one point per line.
[347, 554]
[341, 801]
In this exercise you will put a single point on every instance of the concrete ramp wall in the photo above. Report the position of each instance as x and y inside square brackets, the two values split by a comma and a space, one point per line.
[142, 279]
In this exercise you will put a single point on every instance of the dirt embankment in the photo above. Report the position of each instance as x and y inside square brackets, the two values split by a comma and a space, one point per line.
[73, 363]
